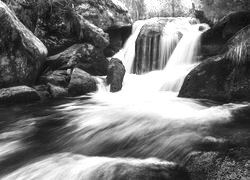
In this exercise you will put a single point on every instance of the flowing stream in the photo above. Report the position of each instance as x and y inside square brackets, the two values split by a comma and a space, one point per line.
[134, 134]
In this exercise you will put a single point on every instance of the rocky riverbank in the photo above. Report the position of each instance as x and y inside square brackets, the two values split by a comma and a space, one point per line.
[56, 48]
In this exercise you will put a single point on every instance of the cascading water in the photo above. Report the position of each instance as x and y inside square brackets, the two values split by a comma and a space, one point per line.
[97, 136]
[127, 53]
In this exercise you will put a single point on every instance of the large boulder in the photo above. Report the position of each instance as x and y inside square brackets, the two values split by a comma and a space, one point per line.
[213, 40]
[116, 72]
[81, 83]
[84, 56]
[21, 53]
[18, 94]
[57, 78]
[60, 24]
[224, 77]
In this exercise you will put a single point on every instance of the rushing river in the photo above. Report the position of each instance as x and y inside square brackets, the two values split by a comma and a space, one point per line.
[134, 134]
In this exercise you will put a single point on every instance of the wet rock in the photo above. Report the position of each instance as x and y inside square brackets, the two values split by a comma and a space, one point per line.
[213, 40]
[224, 77]
[118, 38]
[147, 49]
[81, 83]
[21, 53]
[57, 91]
[57, 77]
[43, 91]
[84, 56]
[216, 165]
[60, 24]
[18, 94]
[116, 72]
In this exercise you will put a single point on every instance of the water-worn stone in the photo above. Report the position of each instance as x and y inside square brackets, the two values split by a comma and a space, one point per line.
[57, 77]
[224, 77]
[147, 48]
[60, 24]
[18, 94]
[57, 91]
[21, 53]
[116, 72]
[81, 83]
[84, 56]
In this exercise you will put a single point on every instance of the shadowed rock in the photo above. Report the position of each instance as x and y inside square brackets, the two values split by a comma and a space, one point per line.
[224, 77]
[21, 53]
[116, 72]
[83, 56]
[60, 24]
[81, 83]
[18, 94]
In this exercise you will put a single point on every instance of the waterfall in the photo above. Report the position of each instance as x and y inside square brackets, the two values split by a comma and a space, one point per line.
[168, 41]
[127, 53]
[179, 45]
[184, 57]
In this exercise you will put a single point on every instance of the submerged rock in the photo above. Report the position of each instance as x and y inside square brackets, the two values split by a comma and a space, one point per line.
[225, 77]
[21, 53]
[18, 94]
[81, 83]
[84, 56]
[116, 72]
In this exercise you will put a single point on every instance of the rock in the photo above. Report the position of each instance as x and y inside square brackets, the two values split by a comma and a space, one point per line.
[81, 83]
[57, 77]
[57, 91]
[213, 40]
[21, 53]
[60, 24]
[18, 94]
[118, 38]
[43, 91]
[116, 72]
[84, 56]
[224, 77]
[223, 166]
[147, 49]
[237, 49]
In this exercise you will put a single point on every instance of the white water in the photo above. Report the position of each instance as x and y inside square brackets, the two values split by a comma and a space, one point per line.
[177, 56]
[127, 53]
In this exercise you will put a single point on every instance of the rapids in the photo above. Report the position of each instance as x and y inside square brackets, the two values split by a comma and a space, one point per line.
[132, 134]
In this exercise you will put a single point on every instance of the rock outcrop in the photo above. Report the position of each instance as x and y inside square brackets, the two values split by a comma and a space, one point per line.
[60, 24]
[81, 83]
[20, 94]
[116, 72]
[84, 56]
[21, 53]
[224, 77]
